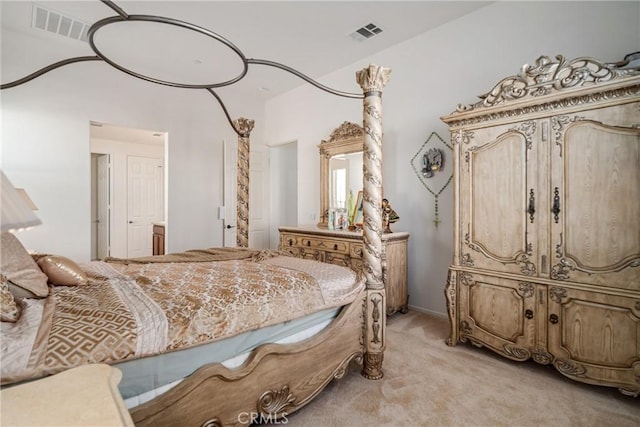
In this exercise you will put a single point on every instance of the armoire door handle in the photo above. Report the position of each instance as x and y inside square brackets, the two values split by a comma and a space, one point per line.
[556, 204]
[532, 205]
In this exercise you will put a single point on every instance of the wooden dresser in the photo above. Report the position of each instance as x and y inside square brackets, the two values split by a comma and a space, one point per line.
[345, 248]
[547, 220]
[158, 239]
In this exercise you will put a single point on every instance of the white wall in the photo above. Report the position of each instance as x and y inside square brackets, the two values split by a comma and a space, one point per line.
[431, 74]
[45, 144]
[284, 190]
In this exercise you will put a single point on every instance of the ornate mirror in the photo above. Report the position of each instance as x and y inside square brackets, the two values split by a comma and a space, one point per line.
[340, 168]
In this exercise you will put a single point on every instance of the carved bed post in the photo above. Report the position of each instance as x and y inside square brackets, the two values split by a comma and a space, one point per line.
[372, 80]
[244, 128]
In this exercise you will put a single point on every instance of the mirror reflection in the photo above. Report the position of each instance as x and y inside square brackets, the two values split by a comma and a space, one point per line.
[345, 179]
[341, 169]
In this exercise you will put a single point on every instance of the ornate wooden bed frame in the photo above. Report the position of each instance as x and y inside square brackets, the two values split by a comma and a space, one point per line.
[277, 380]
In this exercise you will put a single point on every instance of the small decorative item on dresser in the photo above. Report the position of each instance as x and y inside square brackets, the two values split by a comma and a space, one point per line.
[389, 216]
[341, 222]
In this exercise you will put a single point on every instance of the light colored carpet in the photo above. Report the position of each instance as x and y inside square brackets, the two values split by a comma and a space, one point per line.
[427, 383]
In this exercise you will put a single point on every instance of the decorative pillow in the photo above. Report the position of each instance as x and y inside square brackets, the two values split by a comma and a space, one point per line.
[9, 309]
[62, 271]
[20, 269]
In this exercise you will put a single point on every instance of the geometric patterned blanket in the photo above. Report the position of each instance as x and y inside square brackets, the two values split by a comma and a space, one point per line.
[140, 309]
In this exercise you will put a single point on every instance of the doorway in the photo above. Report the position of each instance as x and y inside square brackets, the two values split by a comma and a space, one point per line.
[100, 205]
[127, 190]
[227, 212]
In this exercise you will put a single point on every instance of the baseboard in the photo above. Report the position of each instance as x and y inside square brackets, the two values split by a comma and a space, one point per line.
[429, 312]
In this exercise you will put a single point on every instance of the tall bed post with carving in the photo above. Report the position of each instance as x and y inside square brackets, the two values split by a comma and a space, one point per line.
[243, 128]
[372, 80]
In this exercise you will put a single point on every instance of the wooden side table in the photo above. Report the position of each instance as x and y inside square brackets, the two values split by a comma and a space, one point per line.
[83, 396]
[158, 239]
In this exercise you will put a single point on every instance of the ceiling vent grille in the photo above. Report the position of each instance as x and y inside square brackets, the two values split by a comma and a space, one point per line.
[365, 32]
[57, 23]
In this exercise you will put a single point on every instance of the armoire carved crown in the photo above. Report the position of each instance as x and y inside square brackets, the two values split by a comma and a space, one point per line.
[548, 75]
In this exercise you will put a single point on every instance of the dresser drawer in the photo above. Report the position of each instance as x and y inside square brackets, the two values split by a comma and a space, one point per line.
[342, 260]
[355, 250]
[288, 241]
[312, 242]
[334, 246]
[312, 254]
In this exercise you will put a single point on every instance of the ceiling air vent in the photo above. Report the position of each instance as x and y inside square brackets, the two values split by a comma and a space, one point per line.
[57, 23]
[365, 32]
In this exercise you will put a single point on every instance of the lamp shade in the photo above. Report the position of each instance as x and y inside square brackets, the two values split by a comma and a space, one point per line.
[16, 212]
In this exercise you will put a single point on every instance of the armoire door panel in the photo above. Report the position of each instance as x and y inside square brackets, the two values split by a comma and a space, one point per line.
[498, 313]
[507, 322]
[595, 181]
[593, 333]
[497, 198]
[500, 189]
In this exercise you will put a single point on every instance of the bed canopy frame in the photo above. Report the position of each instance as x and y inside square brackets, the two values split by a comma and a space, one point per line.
[371, 80]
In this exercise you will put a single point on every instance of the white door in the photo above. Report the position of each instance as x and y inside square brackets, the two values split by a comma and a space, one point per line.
[230, 191]
[103, 205]
[259, 200]
[144, 203]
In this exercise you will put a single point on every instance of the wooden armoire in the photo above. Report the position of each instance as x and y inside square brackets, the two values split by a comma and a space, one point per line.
[546, 258]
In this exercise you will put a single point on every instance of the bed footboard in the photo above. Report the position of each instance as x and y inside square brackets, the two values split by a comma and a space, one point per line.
[276, 380]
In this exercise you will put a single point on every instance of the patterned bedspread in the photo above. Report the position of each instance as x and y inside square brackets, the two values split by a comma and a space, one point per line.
[135, 310]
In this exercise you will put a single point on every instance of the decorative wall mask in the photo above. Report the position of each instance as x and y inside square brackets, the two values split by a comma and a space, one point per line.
[432, 169]
[432, 161]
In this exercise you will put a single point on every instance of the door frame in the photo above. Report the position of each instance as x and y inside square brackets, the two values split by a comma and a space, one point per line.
[119, 147]
[96, 193]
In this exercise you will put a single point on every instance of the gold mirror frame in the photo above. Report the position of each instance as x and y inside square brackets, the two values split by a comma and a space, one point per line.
[345, 139]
